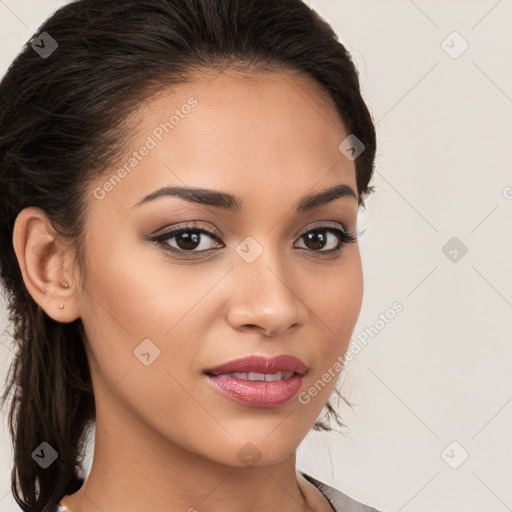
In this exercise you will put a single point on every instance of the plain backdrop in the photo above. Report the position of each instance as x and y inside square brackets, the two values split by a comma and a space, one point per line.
[430, 430]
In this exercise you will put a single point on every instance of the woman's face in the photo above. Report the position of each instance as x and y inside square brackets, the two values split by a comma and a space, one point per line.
[159, 314]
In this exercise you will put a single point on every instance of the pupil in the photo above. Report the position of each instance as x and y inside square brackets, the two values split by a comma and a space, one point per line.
[318, 239]
[188, 240]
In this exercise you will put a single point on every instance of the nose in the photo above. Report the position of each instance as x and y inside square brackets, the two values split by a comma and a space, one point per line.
[264, 297]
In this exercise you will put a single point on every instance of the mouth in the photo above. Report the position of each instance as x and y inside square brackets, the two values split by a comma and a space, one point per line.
[259, 381]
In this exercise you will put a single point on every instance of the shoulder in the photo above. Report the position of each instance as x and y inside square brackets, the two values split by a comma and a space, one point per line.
[340, 501]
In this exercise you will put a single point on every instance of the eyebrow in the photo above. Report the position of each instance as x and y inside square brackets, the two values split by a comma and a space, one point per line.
[233, 203]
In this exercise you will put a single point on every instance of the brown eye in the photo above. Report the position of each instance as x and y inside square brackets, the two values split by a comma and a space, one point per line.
[317, 240]
[189, 239]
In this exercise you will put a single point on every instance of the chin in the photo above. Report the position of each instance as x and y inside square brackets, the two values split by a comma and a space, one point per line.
[266, 446]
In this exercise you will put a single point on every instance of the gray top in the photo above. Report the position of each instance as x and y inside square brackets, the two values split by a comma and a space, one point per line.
[340, 502]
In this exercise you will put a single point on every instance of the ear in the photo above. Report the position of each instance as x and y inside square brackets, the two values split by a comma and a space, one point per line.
[43, 261]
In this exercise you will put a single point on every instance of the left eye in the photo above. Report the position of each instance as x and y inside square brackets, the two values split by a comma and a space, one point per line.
[316, 237]
[191, 239]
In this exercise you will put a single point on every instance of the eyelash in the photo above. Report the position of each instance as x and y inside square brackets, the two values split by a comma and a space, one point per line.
[344, 237]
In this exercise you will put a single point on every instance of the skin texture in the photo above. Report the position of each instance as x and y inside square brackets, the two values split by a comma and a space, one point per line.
[165, 440]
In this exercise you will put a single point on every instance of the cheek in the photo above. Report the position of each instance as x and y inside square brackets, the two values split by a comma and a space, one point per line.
[336, 303]
[139, 302]
[334, 312]
[136, 290]
[346, 308]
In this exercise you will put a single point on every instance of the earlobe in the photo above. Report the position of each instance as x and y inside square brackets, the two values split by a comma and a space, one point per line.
[42, 262]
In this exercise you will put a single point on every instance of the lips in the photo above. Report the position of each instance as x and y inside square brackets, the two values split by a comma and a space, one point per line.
[260, 365]
[259, 381]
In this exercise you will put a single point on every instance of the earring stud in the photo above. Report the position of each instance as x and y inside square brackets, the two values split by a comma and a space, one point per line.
[65, 284]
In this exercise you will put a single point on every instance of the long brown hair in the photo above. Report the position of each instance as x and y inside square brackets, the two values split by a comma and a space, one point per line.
[61, 121]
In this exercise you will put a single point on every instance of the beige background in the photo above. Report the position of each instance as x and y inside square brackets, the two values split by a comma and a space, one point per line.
[439, 372]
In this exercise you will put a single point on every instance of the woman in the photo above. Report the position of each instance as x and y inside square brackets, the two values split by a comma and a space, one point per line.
[180, 186]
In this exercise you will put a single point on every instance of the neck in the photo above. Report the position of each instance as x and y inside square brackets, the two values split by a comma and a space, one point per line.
[135, 468]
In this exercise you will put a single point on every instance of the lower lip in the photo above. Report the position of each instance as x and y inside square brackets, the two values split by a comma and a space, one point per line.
[258, 393]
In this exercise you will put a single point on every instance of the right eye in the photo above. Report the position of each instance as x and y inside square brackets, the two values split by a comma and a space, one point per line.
[188, 239]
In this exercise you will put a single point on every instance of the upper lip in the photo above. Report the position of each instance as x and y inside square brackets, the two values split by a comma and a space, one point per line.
[260, 364]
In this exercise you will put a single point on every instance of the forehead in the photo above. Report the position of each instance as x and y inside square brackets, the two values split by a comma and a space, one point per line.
[242, 133]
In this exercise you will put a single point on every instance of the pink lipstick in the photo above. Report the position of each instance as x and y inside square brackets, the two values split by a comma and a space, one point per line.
[259, 381]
